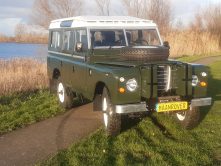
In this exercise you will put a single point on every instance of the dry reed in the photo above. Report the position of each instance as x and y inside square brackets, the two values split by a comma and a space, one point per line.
[22, 75]
[190, 42]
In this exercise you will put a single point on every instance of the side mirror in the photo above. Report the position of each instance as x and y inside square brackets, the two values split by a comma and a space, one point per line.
[79, 47]
[166, 44]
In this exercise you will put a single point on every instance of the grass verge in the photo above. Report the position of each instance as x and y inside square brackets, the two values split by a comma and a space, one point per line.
[21, 109]
[156, 140]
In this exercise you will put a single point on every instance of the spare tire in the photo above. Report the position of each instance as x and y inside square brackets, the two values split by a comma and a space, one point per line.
[148, 54]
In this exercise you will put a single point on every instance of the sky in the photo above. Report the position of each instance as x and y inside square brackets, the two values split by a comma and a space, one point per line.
[13, 12]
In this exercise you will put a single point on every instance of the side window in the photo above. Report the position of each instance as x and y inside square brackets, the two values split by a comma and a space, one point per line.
[55, 39]
[66, 41]
[81, 37]
[58, 40]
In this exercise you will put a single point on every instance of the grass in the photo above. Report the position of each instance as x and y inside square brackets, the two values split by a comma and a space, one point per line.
[156, 140]
[195, 57]
[21, 109]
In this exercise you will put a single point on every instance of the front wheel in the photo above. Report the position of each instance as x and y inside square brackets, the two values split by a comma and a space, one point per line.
[112, 120]
[65, 97]
[190, 118]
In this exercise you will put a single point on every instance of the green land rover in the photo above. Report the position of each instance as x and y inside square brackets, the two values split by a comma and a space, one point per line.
[121, 64]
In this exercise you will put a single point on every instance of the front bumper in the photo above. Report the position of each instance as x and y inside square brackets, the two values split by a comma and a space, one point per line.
[142, 107]
[131, 108]
[201, 102]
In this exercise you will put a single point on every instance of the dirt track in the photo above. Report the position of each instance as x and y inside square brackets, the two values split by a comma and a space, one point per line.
[38, 141]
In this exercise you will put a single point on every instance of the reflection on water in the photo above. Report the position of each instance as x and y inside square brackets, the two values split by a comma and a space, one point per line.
[17, 50]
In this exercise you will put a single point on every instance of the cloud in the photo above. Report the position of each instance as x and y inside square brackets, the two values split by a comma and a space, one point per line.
[7, 26]
[14, 12]
[17, 3]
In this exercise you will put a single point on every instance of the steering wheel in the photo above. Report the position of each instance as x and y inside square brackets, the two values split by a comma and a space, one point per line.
[141, 40]
[118, 42]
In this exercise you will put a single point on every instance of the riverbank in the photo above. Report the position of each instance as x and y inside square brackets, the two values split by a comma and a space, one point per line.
[32, 38]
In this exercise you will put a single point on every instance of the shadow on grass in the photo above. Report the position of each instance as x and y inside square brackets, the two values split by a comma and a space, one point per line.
[162, 128]
[128, 122]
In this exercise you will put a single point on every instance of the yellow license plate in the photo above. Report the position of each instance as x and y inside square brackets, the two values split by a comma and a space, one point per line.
[172, 106]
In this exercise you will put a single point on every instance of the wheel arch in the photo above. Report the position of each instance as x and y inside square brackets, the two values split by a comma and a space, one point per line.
[56, 73]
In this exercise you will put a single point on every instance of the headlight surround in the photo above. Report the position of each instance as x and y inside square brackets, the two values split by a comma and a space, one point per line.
[131, 84]
[195, 80]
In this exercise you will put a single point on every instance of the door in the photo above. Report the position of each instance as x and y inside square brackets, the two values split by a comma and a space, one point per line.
[79, 65]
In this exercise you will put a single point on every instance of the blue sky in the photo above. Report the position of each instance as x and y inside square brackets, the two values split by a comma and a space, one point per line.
[13, 12]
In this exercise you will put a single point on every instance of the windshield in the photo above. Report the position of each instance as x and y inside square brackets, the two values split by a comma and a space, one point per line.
[107, 38]
[116, 38]
[148, 37]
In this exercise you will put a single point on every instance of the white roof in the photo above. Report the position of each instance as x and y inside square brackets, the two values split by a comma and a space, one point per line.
[102, 22]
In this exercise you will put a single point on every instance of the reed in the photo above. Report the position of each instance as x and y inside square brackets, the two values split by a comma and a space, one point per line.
[190, 42]
[22, 75]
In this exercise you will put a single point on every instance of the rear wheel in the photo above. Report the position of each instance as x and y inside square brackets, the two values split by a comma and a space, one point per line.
[190, 118]
[112, 120]
[65, 96]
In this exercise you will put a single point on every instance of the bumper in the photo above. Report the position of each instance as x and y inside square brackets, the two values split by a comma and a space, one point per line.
[201, 102]
[142, 107]
[131, 108]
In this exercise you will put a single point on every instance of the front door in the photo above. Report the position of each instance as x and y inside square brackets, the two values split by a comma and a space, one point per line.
[79, 65]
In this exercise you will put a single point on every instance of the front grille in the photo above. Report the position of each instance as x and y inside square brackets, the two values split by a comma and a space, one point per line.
[163, 79]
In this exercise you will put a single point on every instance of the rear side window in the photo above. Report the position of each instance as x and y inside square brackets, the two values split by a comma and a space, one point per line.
[55, 39]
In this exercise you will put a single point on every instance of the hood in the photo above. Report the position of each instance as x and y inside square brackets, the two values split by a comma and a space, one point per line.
[130, 56]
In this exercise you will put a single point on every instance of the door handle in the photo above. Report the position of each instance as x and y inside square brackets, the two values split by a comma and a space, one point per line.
[73, 69]
[90, 72]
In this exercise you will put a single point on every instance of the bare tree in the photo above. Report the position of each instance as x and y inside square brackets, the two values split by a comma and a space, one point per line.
[20, 31]
[103, 7]
[157, 10]
[135, 7]
[46, 10]
[208, 19]
[212, 19]
[160, 12]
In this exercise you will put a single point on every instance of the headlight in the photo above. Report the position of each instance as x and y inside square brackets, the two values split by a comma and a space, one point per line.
[204, 74]
[195, 80]
[131, 85]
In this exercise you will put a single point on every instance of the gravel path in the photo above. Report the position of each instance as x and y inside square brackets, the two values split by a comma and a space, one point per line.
[36, 142]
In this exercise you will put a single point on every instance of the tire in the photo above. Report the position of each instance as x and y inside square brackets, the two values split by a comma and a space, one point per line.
[189, 119]
[97, 104]
[112, 120]
[65, 96]
[53, 85]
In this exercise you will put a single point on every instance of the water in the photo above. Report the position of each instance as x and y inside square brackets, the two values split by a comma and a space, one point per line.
[17, 50]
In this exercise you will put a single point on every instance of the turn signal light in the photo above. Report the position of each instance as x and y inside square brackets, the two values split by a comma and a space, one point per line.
[121, 90]
[203, 84]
